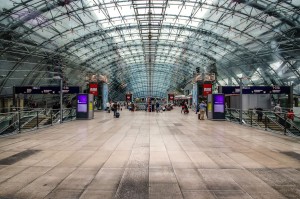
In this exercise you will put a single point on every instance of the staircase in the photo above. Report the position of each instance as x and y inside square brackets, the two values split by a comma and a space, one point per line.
[33, 123]
[274, 126]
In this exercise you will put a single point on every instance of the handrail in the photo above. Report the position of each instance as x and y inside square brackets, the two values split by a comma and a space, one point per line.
[15, 118]
[280, 120]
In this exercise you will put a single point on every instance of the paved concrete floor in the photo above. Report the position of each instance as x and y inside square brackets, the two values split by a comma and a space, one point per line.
[149, 155]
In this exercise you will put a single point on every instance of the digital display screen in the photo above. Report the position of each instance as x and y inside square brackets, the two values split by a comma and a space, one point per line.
[219, 99]
[219, 108]
[82, 99]
[82, 108]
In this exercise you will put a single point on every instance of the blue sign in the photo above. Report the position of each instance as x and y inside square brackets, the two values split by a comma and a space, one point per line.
[195, 95]
[46, 89]
[104, 95]
[255, 89]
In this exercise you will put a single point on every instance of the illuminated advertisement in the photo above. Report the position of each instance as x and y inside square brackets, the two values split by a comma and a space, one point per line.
[207, 89]
[128, 97]
[82, 100]
[219, 101]
[94, 89]
[171, 97]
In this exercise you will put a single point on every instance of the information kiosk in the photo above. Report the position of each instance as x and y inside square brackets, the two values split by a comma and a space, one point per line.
[85, 106]
[216, 106]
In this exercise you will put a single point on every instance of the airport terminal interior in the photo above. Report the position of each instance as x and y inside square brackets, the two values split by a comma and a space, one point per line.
[149, 99]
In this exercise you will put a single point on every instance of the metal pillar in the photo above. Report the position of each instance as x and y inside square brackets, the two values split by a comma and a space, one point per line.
[61, 100]
[241, 100]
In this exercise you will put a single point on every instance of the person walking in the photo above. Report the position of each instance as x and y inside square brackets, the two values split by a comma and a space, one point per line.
[157, 107]
[202, 109]
[115, 108]
[277, 110]
[290, 117]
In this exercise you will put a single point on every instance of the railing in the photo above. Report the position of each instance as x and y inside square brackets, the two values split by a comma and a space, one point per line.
[267, 120]
[16, 122]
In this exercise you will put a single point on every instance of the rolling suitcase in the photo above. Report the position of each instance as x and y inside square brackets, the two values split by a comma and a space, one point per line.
[117, 114]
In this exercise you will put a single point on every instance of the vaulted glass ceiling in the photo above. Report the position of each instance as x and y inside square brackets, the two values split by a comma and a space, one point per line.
[149, 47]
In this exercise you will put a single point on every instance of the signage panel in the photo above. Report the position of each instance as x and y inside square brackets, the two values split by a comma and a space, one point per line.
[171, 97]
[255, 89]
[128, 97]
[82, 99]
[207, 89]
[219, 101]
[46, 90]
[94, 89]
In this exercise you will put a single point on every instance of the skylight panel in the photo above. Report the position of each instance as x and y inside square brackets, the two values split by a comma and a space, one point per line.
[276, 65]
[173, 9]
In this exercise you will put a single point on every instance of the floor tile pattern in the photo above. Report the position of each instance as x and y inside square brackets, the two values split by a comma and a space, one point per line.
[149, 156]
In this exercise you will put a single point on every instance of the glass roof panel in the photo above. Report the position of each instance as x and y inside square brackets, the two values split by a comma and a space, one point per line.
[105, 35]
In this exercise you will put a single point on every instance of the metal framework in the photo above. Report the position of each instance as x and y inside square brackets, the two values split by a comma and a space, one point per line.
[149, 47]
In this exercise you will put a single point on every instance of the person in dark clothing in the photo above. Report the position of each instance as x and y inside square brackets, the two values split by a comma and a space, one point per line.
[157, 107]
[259, 112]
[115, 108]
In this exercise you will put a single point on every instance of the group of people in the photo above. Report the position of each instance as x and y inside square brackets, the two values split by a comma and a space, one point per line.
[201, 109]
[113, 106]
[277, 111]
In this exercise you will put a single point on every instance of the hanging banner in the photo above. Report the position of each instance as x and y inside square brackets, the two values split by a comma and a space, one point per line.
[94, 89]
[128, 97]
[207, 89]
[171, 97]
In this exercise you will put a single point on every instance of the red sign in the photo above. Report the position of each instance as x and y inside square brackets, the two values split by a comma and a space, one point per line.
[94, 89]
[207, 89]
[171, 97]
[128, 97]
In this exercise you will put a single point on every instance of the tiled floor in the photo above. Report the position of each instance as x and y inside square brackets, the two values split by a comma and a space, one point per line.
[149, 155]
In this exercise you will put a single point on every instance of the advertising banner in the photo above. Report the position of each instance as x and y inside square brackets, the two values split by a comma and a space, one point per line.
[171, 97]
[94, 89]
[128, 97]
[219, 103]
[207, 89]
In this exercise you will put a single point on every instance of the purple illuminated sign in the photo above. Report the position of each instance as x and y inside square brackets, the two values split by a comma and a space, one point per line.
[219, 99]
[82, 99]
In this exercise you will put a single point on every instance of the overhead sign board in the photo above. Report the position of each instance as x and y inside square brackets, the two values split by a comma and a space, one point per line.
[255, 89]
[46, 90]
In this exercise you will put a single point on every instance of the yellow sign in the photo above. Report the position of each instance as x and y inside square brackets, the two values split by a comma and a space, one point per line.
[91, 106]
[209, 107]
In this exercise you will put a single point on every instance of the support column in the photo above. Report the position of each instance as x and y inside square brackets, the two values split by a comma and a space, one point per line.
[241, 100]
[104, 95]
[61, 100]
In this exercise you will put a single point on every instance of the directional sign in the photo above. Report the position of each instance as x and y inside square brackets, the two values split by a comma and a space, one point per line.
[46, 90]
[255, 89]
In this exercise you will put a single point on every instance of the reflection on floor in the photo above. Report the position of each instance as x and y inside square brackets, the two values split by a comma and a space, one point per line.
[149, 155]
